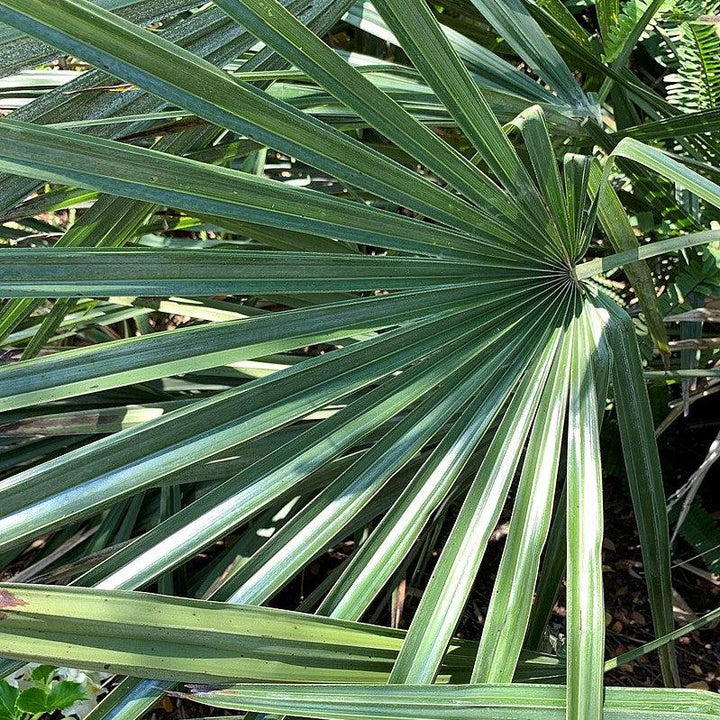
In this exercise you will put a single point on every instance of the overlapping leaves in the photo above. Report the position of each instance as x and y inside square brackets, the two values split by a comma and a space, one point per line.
[486, 357]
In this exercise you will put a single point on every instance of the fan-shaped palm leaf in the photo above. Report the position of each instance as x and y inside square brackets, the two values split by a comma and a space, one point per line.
[485, 355]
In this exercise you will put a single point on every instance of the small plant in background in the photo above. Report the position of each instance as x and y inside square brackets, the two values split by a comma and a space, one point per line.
[42, 690]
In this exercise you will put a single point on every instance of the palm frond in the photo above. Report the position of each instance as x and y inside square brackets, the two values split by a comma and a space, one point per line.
[391, 324]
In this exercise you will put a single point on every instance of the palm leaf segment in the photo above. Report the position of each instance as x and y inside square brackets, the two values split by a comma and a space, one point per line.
[489, 357]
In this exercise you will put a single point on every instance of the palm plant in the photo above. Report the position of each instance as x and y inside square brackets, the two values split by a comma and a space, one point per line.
[471, 346]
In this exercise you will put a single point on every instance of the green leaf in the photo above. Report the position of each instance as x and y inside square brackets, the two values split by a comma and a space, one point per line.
[18, 51]
[542, 156]
[130, 699]
[421, 37]
[33, 700]
[375, 561]
[336, 509]
[552, 573]
[162, 637]
[8, 700]
[190, 434]
[65, 693]
[104, 272]
[446, 593]
[619, 54]
[517, 27]
[488, 69]
[617, 227]
[642, 463]
[475, 344]
[273, 24]
[43, 674]
[662, 641]
[660, 247]
[183, 79]
[433, 702]
[83, 421]
[206, 33]
[151, 176]
[248, 492]
[607, 12]
[585, 607]
[508, 614]
[564, 18]
[696, 123]
[659, 161]
[139, 359]
[332, 512]
[576, 172]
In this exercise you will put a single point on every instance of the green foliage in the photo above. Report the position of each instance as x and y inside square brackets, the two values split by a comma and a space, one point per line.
[701, 273]
[401, 275]
[8, 700]
[43, 697]
[702, 532]
[630, 15]
[695, 84]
